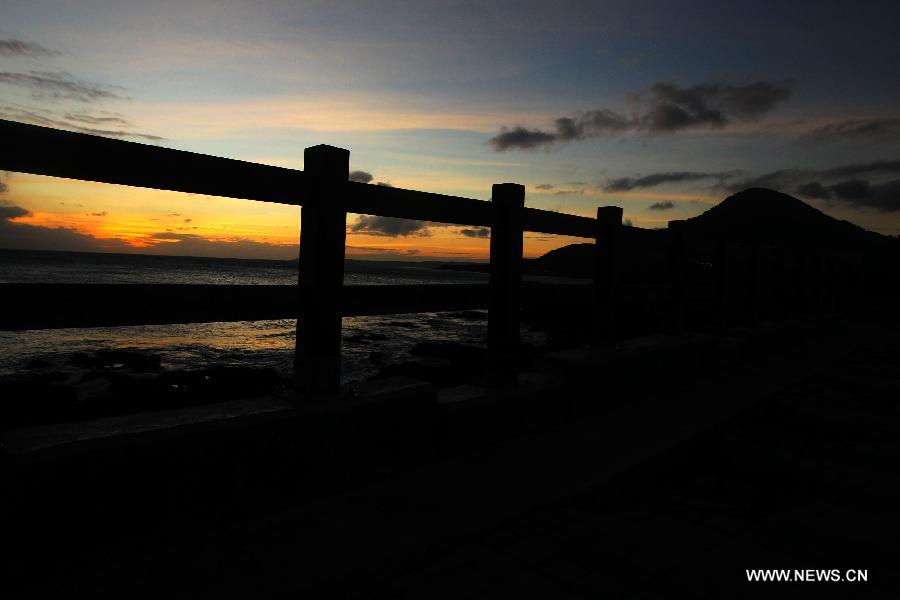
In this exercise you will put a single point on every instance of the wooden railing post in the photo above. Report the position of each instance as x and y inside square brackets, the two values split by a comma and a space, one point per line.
[323, 231]
[606, 275]
[507, 204]
[676, 276]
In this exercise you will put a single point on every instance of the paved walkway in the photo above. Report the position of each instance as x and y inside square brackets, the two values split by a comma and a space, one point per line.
[805, 480]
[668, 496]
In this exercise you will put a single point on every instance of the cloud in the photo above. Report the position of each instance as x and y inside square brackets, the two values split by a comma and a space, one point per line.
[14, 47]
[366, 177]
[857, 185]
[859, 193]
[878, 167]
[814, 189]
[389, 226]
[852, 129]
[97, 119]
[59, 85]
[544, 186]
[188, 220]
[11, 211]
[46, 118]
[778, 180]
[477, 232]
[625, 184]
[568, 192]
[665, 107]
[790, 179]
[376, 253]
[189, 244]
[25, 236]
[99, 214]
[665, 205]
[521, 138]
[360, 176]
[710, 104]
[3, 187]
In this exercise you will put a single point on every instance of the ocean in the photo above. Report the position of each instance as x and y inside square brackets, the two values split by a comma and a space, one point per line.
[369, 343]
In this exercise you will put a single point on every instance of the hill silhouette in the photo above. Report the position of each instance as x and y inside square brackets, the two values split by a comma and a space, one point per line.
[766, 216]
[754, 215]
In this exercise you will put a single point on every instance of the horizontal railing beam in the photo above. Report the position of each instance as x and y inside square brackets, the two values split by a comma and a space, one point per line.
[57, 153]
[45, 151]
[547, 221]
[387, 201]
[56, 306]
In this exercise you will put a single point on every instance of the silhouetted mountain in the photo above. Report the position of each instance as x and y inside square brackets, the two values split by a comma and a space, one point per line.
[754, 215]
[766, 216]
[638, 247]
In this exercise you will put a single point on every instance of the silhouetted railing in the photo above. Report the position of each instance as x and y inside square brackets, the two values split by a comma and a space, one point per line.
[326, 196]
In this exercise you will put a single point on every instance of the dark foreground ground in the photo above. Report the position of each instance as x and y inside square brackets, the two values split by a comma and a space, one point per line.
[787, 463]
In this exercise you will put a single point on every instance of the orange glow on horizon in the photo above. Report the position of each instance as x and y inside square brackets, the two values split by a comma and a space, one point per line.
[121, 218]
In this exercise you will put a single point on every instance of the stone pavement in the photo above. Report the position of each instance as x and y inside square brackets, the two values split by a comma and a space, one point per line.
[805, 480]
[785, 463]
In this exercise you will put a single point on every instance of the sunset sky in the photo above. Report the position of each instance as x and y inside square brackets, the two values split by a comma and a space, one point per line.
[663, 108]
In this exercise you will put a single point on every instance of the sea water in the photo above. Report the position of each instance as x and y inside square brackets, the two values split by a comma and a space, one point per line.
[368, 342]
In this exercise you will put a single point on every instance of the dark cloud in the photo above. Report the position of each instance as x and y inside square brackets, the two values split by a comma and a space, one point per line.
[859, 185]
[544, 186]
[665, 205]
[783, 179]
[384, 184]
[521, 138]
[24, 236]
[14, 47]
[814, 190]
[188, 220]
[97, 119]
[99, 214]
[625, 184]
[879, 167]
[189, 244]
[389, 226]
[3, 187]
[568, 192]
[375, 253]
[797, 179]
[48, 118]
[853, 129]
[665, 107]
[58, 85]
[360, 176]
[859, 193]
[11, 211]
[477, 232]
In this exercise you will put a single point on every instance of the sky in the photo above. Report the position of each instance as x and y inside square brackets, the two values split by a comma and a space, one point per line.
[660, 107]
